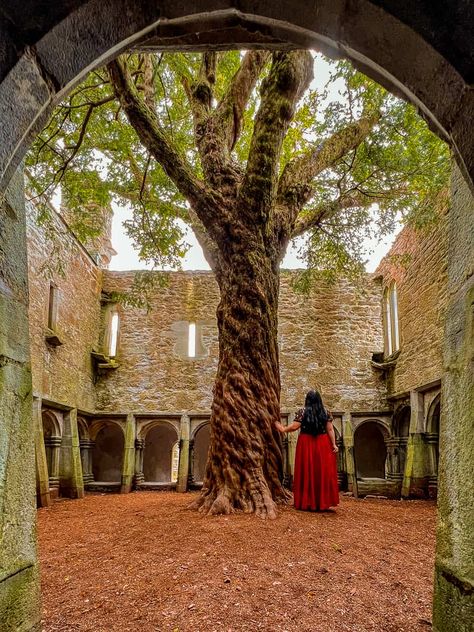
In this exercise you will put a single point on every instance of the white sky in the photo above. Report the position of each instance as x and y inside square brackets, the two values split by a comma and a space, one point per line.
[127, 257]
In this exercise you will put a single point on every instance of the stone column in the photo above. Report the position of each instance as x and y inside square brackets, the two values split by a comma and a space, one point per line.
[139, 477]
[86, 446]
[431, 440]
[393, 460]
[43, 496]
[341, 468]
[414, 472]
[54, 444]
[349, 454]
[191, 464]
[183, 467]
[453, 609]
[128, 467]
[19, 576]
[71, 483]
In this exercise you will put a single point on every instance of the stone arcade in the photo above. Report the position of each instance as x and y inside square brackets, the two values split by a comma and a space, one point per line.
[423, 52]
[122, 395]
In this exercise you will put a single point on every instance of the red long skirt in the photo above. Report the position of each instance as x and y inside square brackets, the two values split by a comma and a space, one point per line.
[315, 485]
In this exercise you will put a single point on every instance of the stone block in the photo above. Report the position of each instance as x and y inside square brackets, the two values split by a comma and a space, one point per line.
[24, 85]
[19, 582]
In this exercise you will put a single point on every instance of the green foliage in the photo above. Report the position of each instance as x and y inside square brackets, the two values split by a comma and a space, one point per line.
[90, 149]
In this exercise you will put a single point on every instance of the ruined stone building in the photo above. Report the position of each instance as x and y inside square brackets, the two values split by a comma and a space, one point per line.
[122, 394]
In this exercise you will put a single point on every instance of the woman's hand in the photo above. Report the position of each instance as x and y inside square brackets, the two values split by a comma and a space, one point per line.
[335, 449]
[280, 427]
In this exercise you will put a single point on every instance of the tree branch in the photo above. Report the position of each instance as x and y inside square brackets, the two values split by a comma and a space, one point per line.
[154, 139]
[231, 107]
[289, 77]
[313, 218]
[294, 189]
[208, 204]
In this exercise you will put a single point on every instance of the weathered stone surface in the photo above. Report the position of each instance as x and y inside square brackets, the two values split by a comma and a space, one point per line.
[326, 339]
[19, 585]
[71, 483]
[25, 86]
[63, 373]
[417, 263]
[454, 585]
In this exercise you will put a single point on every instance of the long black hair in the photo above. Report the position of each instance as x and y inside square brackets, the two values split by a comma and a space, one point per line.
[315, 415]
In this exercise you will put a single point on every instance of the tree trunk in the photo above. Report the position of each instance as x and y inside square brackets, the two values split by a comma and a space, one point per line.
[244, 467]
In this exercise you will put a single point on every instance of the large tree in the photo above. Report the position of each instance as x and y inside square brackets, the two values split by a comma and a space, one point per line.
[240, 148]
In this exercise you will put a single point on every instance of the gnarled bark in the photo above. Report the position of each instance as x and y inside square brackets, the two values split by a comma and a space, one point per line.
[244, 466]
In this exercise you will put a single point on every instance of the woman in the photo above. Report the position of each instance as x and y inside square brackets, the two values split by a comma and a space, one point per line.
[315, 485]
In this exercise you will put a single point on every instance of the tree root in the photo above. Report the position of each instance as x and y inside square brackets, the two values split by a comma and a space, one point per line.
[255, 499]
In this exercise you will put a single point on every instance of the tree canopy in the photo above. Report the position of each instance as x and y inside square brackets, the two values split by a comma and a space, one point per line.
[353, 159]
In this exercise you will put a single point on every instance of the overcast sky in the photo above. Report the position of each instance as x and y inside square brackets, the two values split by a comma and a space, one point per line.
[127, 256]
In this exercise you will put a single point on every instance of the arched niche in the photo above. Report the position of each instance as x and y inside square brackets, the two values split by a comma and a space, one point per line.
[52, 443]
[201, 442]
[107, 451]
[82, 428]
[432, 442]
[433, 416]
[159, 453]
[370, 452]
[401, 421]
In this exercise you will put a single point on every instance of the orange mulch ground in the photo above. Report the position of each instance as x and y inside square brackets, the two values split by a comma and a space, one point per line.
[142, 561]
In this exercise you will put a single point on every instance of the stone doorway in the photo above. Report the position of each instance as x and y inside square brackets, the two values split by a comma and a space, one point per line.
[107, 455]
[200, 450]
[159, 455]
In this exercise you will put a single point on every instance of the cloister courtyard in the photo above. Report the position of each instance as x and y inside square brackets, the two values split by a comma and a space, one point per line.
[143, 561]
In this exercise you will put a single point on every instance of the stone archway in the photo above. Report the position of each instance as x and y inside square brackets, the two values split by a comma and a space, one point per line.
[52, 443]
[45, 51]
[159, 443]
[200, 448]
[59, 46]
[369, 450]
[107, 452]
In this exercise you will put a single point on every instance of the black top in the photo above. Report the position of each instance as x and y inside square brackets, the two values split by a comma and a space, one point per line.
[310, 427]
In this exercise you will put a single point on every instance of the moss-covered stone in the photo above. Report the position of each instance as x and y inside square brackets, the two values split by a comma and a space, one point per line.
[19, 582]
[20, 601]
[453, 607]
[128, 466]
[454, 586]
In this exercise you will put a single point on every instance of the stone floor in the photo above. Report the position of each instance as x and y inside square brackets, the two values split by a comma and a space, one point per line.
[142, 561]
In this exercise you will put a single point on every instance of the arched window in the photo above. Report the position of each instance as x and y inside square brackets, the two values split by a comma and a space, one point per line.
[390, 320]
[114, 328]
[387, 321]
[192, 340]
[111, 331]
[394, 320]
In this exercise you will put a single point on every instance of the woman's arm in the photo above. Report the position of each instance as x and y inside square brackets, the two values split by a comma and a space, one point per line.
[332, 436]
[291, 428]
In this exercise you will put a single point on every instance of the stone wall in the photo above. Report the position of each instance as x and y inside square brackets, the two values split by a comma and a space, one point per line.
[19, 572]
[454, 574]
[417, 264]
[326, 339]
[62, 373]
